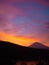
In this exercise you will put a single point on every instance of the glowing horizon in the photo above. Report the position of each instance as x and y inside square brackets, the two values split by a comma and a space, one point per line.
[24, 41]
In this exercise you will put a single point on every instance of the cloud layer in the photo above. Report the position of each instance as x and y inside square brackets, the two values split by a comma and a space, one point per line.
[28, 18]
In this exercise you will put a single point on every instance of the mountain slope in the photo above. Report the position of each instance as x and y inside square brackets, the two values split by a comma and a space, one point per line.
[38, 45]
[10, 53]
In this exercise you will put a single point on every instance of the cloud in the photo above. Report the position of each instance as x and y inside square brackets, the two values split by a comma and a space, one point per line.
[41, 2]
[47, 25]
[24, 18]
[7, 13]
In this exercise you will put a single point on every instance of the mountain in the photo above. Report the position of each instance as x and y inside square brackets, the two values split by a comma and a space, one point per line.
[38, 45]
[10, 53]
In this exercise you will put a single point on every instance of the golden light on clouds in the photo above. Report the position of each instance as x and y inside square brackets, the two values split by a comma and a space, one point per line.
[24, 41]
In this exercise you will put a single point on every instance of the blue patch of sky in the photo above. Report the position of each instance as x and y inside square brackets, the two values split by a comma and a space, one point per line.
[38, 17]
[46, 19]
[37, 24]
[41, 9]
[42, 18]
[20, 20]
[38, 6]
[26, 30]
[22, 5]
[45, 11]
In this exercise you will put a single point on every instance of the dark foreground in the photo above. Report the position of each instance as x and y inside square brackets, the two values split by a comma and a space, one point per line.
[11, 53]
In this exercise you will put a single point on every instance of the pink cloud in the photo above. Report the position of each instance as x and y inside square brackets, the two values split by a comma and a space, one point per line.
[10, 10]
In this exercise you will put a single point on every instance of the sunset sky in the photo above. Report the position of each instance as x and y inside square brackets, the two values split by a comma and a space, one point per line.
[24, 21]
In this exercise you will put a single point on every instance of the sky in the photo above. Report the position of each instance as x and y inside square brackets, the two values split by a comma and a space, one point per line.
[24, 21]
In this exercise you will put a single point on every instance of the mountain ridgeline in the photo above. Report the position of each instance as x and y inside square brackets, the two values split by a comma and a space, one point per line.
[10, 53]
[39, 46]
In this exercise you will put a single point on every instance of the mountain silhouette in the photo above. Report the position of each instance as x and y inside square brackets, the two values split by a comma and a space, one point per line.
[38, 45]
[10, 53]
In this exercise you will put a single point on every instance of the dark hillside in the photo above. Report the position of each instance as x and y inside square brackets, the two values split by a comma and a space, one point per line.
[10, 53]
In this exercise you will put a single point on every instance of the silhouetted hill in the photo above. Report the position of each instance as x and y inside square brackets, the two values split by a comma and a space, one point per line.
[10, 53]
[38, 45]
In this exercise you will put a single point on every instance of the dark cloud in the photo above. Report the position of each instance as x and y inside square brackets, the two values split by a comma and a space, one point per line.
[47, 25]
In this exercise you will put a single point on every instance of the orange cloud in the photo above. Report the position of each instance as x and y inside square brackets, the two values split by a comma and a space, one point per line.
[24, 41]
